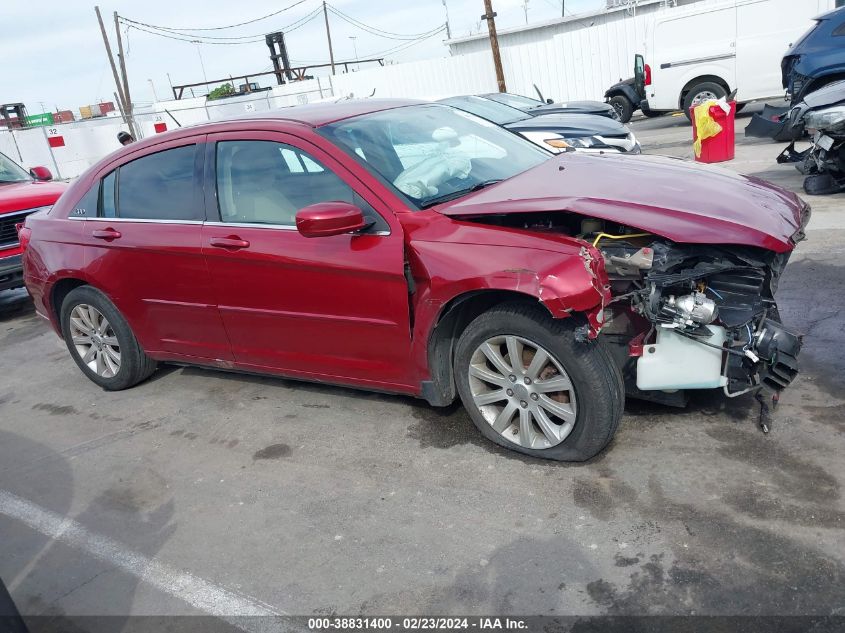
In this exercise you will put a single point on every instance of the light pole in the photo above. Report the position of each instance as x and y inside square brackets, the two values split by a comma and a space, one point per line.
[355, 48]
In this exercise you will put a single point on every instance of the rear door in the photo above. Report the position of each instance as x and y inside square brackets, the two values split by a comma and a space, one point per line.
[144, 250]
[765, 29]
[334, 307]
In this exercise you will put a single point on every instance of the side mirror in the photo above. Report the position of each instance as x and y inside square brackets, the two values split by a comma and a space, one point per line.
[329, 218]
[41, 173]
[550, 100]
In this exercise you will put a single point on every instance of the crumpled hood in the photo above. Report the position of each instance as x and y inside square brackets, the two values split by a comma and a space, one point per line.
[679, 200]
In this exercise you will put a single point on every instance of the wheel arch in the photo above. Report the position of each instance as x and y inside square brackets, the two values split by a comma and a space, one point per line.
[451, 321]
[61, 289]
[716, 79]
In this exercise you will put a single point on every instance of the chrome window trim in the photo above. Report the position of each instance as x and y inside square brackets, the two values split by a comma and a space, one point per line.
[278, 227]
[140, 220]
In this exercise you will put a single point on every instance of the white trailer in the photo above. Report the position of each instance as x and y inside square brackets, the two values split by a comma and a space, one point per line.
[707, 50]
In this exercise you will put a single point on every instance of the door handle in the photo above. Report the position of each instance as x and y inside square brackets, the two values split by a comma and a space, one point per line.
[232, 243]
[106, 234]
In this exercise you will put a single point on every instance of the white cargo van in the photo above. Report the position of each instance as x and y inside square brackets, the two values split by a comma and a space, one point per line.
[706, 50]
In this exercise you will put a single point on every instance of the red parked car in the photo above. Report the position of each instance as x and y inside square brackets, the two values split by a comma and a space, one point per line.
[414, 248]
[21, 194]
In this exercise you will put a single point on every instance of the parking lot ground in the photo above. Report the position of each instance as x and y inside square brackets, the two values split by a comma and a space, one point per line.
[207, 492]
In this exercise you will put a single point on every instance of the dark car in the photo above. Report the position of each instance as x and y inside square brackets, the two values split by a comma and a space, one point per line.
[626, 98]
[412, 248]
[21, 194]
[553, 132]
[817, 58]
[535, 107]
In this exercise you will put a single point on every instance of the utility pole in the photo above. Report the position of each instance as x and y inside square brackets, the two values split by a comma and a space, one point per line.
[525, 9]
[448, 29]
[490, 16]
[328, 35]
[127, 100]
[121, 98]
[355, 48]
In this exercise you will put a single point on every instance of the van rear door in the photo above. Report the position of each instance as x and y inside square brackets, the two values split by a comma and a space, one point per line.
[765, 30]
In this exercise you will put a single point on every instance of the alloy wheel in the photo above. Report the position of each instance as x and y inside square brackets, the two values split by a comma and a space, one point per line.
[522, 391]
[704, 95]
[94, 340]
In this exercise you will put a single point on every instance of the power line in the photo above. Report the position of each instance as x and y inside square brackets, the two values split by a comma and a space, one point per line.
[406, 45]
[375, 30]
[211, 39]
[217, 28]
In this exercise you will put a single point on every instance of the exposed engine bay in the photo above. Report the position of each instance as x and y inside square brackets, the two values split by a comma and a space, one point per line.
[686, 316]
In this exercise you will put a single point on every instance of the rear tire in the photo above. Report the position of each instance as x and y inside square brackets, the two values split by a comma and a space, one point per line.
[624, 108]
[584, 415]
[101, 342]
[701, 92]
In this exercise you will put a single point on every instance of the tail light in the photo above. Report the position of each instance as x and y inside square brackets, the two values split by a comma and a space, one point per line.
[647, 73]
[24, 234]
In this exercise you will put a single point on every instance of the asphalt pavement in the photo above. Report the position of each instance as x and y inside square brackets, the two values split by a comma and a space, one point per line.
[202, 492]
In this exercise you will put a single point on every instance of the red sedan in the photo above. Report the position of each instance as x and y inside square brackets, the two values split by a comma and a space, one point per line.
[21, 194]
[414, 248]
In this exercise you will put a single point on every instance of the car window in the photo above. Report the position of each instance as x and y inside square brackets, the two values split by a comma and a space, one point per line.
[11, 171]
[107, 200]
[264, 182]
[430, 153]
[839, 30]
[156, 187]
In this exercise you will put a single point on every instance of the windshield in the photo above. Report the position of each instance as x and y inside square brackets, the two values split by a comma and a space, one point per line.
[515, 101]
[11, 172]
[433, 153]
[499, 113]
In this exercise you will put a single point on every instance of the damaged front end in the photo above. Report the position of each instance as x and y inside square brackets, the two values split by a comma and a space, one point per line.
[689, 316]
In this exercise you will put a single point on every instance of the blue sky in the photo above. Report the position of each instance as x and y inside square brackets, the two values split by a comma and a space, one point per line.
[54, 56]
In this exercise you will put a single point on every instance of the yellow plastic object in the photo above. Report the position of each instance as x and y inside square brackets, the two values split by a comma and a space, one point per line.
[706, 127]
[617, 237]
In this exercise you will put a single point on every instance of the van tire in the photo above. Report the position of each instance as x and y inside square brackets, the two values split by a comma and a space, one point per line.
[704, 88]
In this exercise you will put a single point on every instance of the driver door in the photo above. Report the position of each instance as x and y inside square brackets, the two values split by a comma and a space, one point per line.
[328, 307]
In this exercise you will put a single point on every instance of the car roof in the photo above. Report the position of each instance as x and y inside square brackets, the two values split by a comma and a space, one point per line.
[317, 114]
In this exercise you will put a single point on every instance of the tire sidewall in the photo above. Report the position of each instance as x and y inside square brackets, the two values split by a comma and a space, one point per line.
[130, 359]
[625, 105]
[594, 413]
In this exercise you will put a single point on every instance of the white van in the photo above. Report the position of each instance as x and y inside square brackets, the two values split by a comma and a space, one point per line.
[708, 49]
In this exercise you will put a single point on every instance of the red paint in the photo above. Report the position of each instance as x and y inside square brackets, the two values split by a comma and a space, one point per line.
[337, 308]
[21, 196]
[160, 127]
[56, 141]
[682, 201]
[329, 218]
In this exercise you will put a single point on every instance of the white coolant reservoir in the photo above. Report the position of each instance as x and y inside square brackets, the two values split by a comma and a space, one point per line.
[677, 362]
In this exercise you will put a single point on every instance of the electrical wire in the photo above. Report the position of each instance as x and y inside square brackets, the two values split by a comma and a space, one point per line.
[373, 30]
[405, 46]
[190, 40]
[240, 39]
[216, 28]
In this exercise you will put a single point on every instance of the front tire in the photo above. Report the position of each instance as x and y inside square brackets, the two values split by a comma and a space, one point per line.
[101, 342]
[624, 108]
[530, 387]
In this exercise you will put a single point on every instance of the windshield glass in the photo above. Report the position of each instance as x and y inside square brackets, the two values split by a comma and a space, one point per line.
[515, 101]
[11, 172]
[433, 153]
[499, 113]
